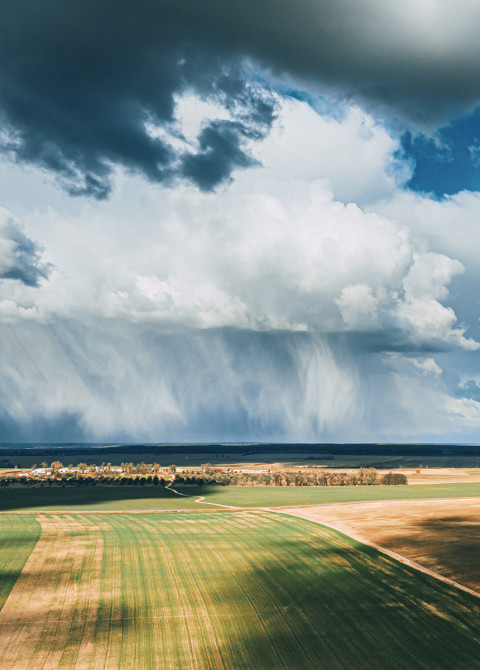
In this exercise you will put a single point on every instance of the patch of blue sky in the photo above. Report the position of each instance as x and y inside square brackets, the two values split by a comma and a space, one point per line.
[325, 105]
[322, 104]
[449, 162]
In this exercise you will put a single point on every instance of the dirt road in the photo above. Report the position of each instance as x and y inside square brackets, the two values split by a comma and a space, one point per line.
[441, 535]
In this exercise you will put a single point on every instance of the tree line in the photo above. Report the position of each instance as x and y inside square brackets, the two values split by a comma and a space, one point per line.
[63, 479]
[364, 477]
[146, 475]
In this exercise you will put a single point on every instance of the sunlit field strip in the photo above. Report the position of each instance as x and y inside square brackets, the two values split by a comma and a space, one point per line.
[280, 496]
[229, 590]
[103, 498]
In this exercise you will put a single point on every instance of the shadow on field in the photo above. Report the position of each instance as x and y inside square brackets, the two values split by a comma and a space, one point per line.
[274, 595]
[18, 498]
[15, 539]
[448, 544]
[7, 580]
[346, 607]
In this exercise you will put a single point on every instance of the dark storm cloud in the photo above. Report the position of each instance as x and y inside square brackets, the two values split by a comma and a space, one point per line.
[20, 258]
[79, 80]
[220, 151]
[394, 340]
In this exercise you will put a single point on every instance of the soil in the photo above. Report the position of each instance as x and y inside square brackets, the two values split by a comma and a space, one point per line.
[440, 535]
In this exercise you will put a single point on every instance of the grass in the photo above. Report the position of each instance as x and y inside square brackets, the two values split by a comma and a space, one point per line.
[232, 590]
[109, 498]
[18, 537]
[106, 498]
[273, 496]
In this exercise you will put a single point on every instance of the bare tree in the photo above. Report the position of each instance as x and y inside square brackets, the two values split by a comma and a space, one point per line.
[56, 465]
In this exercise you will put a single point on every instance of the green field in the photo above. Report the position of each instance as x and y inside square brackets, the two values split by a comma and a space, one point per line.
[278, 496]
[18, 537]
[109, 498]
[106, 498]
[232, 590]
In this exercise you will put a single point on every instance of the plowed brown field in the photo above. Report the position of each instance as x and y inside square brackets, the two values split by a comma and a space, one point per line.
[441, 535]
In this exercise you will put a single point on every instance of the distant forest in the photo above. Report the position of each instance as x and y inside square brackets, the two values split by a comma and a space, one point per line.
[42, 451]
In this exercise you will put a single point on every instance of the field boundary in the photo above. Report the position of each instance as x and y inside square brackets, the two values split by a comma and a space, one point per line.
[132, 511]
[222, 507]
[200, 499]
[382, 550]
[364, 502]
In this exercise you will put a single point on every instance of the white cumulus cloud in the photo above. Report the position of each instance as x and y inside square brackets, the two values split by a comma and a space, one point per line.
[274, 300]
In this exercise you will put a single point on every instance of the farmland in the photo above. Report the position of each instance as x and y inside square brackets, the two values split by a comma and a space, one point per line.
[158, 498]
[95, 498]
[440, 535]
[295, 455]
[270, 496]
[87, 583]
[248, 589]
[18, 537]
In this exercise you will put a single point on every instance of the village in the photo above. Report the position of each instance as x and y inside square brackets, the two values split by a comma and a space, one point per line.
[57, 468]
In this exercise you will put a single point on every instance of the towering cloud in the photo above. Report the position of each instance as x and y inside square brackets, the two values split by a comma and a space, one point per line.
[261, 270]
[85, 87]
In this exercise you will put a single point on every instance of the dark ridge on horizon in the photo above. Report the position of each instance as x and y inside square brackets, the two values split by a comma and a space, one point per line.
[244, 448]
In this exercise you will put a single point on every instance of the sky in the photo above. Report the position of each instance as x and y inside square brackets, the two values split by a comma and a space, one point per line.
[227, 221]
